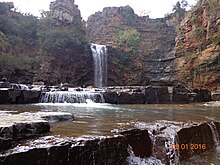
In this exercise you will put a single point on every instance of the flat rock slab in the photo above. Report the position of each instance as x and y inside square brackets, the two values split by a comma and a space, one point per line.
[24, 125]
[84, 150]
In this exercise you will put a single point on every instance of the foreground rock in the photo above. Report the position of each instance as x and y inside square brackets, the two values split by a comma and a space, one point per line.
[165, 141]
[15, 127]
[215, 95]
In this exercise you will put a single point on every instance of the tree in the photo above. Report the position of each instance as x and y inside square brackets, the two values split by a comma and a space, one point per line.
[179, 9]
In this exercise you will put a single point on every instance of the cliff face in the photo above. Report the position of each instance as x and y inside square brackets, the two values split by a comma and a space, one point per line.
[69, 60]
[53, 49]
[151, 58]
[198, 46]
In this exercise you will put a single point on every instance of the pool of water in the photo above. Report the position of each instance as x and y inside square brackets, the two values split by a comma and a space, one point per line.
[104, 119]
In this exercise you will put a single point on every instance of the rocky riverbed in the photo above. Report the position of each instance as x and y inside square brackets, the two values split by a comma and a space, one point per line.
[162, 142]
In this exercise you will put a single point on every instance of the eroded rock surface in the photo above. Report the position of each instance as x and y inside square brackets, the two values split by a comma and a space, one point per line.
[158, 142]
[14, 127]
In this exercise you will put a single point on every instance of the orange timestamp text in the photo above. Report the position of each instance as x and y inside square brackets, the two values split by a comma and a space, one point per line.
[193, 146]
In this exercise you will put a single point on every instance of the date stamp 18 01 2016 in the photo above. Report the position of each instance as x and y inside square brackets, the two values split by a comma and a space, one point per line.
[194, 146]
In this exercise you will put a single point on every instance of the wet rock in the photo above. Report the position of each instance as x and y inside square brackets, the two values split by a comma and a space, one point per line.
[34, 156]
[4, 85]
[159, 149]
[89, 150]
[215, 95]
[26, 130]
[6, 136]
[182, 95]
[157, 95]
[30, 96]
[14, 95]
[17, 126]
[111, 150]
[110, 97]
[131, 98]
[203, 95]
[195, 140]
[140, 142]
[4, 96]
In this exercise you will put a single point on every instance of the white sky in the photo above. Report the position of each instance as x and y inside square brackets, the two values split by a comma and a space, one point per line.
[154, 8]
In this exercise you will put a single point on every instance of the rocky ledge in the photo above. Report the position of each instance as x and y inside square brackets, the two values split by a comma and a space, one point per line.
[15, 127]
[155, 94]
[165, 142]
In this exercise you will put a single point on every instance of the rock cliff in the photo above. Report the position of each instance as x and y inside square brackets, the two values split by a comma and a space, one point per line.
[70, 60]
[198, 45]
[151, 58]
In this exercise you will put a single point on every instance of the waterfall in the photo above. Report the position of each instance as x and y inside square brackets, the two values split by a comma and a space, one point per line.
[71, 97]
[215, 134]
[99, 53]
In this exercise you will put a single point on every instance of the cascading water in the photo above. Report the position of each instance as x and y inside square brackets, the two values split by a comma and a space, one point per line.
[99, 53]
[71, 97]
[215, 133]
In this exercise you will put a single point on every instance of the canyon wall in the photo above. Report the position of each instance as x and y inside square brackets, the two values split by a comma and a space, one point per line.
[197, 46]
[137, 64]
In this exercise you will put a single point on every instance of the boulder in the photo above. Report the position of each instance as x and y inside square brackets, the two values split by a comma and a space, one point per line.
[215, 95]
[131, 98]
[18, 126]
[182, 95]
[6, 136]
[140, 142]
[195, 140]
[157, 95]
[56, 151]
[203, 95]
[108, 150]
[14, 95]
[110, 97]
[4, 96]
[4, 84]
[30, 96]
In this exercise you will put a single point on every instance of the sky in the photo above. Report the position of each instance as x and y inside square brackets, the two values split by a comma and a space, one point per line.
[153, 8]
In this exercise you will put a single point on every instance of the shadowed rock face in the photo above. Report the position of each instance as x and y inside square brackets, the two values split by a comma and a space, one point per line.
[154, 95]
[139, 141]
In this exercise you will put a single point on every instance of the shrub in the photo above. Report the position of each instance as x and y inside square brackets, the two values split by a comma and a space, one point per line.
[216, 39]
[129, 37]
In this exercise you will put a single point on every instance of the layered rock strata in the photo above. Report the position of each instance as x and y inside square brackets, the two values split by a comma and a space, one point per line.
[165, 141]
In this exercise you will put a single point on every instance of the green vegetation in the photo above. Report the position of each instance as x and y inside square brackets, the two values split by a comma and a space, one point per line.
[216, 39]
[179, 9]
[129, 39]
[24, 39]
[199, 33]
[57, 38]
[9, 63]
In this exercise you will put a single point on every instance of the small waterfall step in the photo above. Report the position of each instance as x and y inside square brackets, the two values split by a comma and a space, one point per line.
[71, 97]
